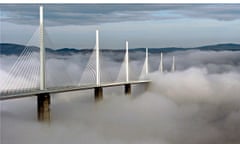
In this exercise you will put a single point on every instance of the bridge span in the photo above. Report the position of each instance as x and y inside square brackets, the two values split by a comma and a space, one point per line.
[44, 97]
[127, 89]
[43, 93]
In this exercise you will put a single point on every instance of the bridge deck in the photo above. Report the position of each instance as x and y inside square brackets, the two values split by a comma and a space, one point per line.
[67, 89]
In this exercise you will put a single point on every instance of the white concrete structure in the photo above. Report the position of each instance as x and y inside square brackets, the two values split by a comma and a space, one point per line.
[97, 59]
[42, 53]
[146, 60]
[126, 62]
[161, 63]
[173, 64]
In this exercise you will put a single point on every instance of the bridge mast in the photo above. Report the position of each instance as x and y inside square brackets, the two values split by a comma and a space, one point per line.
[98, 91]
[126, 61]
[161, 63]
[43, 100]
[146, 61]
[128, 85]
[42, 52]
[173, 64]
[97, 58]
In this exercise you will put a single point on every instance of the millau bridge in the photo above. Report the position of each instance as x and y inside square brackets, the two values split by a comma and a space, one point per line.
[43, 93]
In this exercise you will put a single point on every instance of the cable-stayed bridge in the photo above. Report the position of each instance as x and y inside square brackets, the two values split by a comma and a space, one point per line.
[28, 79]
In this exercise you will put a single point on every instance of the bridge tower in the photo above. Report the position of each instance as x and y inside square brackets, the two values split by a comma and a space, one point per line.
[173, 64]
[146, 59]
[161, 63]
[98, 90]
[127, 86]
[43, 100]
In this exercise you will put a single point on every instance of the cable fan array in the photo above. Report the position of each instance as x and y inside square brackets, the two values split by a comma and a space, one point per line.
[24, 74]
[89, 75]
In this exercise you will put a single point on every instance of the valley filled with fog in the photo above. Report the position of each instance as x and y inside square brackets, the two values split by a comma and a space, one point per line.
[199, 103]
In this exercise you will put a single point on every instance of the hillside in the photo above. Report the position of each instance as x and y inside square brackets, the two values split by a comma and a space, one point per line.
[16, 49]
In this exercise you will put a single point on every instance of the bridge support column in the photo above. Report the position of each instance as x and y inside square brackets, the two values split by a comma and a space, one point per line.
[98, 94]
[127, 89]
[43, 107]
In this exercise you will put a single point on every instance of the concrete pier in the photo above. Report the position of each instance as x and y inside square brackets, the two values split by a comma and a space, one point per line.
[98, 94]
[43, 107]
[127, 89]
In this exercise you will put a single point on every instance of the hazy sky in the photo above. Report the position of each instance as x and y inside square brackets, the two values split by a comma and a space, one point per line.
[143, 25]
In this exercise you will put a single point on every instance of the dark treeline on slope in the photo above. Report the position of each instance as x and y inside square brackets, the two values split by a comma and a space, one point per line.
[16, 49]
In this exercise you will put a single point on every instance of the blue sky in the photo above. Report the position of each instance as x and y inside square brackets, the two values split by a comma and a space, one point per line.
[143, 25]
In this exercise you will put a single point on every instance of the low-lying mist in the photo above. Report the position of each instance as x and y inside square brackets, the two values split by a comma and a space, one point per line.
[197, 104]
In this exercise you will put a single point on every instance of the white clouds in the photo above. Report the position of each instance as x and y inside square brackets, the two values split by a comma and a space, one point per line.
[92, 14]
[167, 33]
[150, 25]
[72, 25]
[190, 106]
[197, 85]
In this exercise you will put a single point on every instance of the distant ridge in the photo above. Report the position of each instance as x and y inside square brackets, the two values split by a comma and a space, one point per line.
[16, 49]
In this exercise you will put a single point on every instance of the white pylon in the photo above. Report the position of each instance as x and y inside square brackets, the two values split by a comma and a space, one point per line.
[146, 61]
[97, 59]
[126, 62]
[173, 64]
[161, 63]
[42, 52]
